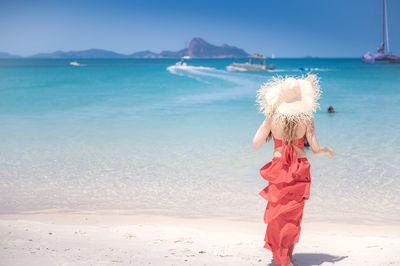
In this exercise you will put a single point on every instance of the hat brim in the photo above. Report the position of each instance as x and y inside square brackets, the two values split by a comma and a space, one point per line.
[270, 95]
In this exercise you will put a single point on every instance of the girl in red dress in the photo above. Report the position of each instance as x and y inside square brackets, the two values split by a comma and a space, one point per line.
[288, 104]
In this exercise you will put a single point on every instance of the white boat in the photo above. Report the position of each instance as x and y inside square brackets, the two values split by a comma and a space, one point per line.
[182, 61]
[383, 52]
[75, 63]
[257, 62]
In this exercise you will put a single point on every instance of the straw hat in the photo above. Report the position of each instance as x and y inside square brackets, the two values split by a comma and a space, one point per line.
[289, 98]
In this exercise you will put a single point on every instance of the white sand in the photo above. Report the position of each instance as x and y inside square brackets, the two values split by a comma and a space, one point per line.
[113, 239]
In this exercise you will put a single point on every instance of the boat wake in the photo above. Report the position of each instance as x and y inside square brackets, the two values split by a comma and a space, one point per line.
[207, 72]
[235, 85]
[174, 69]
[242, 69]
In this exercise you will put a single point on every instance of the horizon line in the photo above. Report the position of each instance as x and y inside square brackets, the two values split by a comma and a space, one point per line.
[194, 58]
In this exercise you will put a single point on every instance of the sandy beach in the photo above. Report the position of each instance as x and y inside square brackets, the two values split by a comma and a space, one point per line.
[54, 238]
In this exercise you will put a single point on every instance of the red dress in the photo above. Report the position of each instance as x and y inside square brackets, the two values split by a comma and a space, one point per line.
[289, 186]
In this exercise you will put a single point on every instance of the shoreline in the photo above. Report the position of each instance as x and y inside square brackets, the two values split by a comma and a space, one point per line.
[55, 238]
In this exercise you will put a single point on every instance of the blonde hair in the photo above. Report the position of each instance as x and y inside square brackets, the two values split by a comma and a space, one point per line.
[289, 130]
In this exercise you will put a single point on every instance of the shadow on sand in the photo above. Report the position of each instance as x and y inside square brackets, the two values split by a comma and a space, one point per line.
[309, 259]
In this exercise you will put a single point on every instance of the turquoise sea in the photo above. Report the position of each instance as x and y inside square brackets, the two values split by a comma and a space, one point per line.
[135, 137]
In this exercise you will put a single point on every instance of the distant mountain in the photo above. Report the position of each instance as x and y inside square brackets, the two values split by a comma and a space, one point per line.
[198, 48]
[4, 55]
[172, 54]
[91, 53]
[144, 54]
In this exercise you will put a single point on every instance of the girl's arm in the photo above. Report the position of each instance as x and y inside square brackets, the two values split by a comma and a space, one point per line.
[312, 140]
[263, 134]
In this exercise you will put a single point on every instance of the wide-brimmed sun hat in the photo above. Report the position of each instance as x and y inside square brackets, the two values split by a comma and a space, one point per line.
[289, 98]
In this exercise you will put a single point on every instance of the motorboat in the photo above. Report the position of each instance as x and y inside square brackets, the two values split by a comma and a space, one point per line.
[383, 52]
[257, 62]
[182, 61]
[75, 63]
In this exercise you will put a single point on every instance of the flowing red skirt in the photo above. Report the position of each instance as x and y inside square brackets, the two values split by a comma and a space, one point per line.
[289, 187]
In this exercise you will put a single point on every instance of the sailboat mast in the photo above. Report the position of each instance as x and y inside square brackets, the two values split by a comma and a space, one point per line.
[385, 32]
[383, 23]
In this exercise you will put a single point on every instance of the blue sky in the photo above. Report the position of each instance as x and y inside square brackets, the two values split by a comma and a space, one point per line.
[288, 28]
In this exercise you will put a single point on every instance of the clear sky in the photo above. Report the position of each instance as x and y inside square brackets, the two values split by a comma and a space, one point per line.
[288, 28]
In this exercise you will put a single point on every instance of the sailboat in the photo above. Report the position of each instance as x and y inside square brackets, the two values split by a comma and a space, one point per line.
[383, 53]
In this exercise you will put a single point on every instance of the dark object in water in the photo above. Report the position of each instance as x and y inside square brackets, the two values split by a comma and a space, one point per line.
[304, 69]
[331, 109]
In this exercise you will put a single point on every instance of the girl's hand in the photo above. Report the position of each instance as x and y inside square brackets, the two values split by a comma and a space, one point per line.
[329, 152]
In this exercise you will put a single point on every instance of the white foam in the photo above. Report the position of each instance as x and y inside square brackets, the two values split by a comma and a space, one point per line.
[241, 84]
[176, 70]
[189, 71]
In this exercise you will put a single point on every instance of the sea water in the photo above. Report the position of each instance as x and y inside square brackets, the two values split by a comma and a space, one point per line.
[139, 136]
